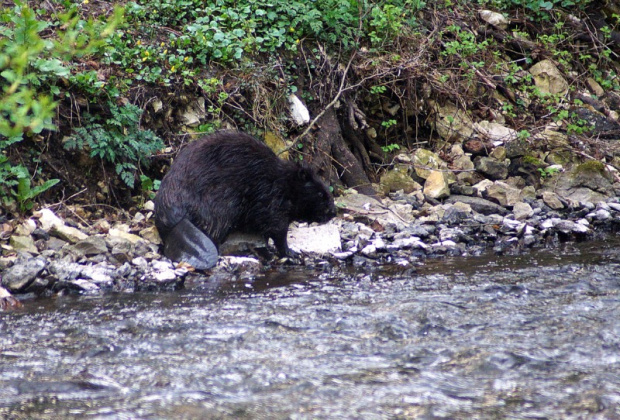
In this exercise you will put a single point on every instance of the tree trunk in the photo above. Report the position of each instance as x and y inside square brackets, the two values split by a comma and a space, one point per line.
[334, 160]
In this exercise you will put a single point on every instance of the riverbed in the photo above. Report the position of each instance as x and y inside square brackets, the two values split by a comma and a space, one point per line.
[535, 335]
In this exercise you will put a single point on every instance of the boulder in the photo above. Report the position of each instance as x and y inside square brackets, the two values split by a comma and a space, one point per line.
[453, 124]
[491, 168]
[548, 78]
[18, 277]
[320, 239]
[437, 185]
[398, 179]
[425, 161]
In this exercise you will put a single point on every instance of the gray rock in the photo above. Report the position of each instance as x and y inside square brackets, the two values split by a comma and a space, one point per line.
[552, 200]
[491, 168]
[18, 277]
[517, 148]
[81, 286]
[614, 206]
[477, 204]
[67, 233]
[93, 245]
[567, 226]
[503, 194]
[399, 179]
[100, 274]
[456, 213]
[522, 211]
[23, 244]
[407, 243]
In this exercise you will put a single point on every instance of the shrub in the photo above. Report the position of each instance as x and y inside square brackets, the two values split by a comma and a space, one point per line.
[118, 141]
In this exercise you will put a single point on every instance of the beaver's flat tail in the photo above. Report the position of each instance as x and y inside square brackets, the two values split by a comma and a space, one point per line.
[185, 242]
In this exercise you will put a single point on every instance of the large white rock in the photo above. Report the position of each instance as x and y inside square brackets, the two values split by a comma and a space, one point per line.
[321, 239]
[548, 78]
[299, 112]
[48, 219]
[493, 18]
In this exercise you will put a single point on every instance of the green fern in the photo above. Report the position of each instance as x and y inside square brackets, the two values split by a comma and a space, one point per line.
[118, 141]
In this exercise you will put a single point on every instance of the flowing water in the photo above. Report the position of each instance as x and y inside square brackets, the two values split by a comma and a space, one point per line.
[530, 336]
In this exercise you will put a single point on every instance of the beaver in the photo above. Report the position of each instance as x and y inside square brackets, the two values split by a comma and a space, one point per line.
[231, 182]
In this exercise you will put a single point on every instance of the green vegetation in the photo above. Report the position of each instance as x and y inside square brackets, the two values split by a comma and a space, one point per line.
[66, 65]
[548, 172]
[118, 140]
[31, 68]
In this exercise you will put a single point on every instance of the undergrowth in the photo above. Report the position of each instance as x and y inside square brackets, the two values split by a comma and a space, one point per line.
[244, 57]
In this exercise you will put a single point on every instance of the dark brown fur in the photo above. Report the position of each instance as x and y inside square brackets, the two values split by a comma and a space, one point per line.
[229, 182]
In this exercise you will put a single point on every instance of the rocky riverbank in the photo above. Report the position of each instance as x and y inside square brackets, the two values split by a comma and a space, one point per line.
[429, 211]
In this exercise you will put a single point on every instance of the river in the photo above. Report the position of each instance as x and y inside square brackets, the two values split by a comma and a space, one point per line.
[529, 336]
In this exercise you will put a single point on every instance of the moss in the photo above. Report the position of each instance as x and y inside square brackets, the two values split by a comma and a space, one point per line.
[591, 166]
[531, 160]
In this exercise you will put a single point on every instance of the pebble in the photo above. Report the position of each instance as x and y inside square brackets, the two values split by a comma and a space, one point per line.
[115, 259]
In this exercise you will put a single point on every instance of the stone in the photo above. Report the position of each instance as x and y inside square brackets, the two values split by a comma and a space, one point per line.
[47, 219]
[437, 185]
[321, 239]
[588, 182]
[522, 211]
[98, 274]
[499, 153]
[134, 239]
[548, 78]
[410, 242]
[453, 124]
[26, 228]
[23, 244]
[567, 226]
[370, 210]
[93, 245]
[398, 179]
[194, 113]
[151, 234]
[496, 133]
[102, 226]
[603, 126]
[491, 168]
[503, 194]
[551, 136]
[517, 148]
[231, 264]
[82, 286]
[594, 87]
[456, 213]
[18, 277]
[552, 200]
[477, 204]
[149, 206]
[277, 144]
[239, 243]
[67, 233]
[481, 187]
[299, 113]
[477, 147]
[493, 18]
[425, 161]
[7, 301]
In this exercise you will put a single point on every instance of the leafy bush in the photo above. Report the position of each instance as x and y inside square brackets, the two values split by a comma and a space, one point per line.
[227, 30]
[16, 185]
[118, 140]
[30, 65]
